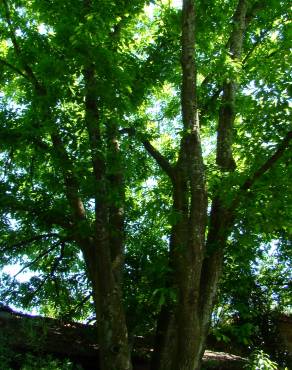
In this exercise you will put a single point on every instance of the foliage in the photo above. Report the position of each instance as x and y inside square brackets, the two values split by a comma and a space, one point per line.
[253, 295]
[261, 361]
[6, 354]
[10, 359]
[33, 362]
[49, 163]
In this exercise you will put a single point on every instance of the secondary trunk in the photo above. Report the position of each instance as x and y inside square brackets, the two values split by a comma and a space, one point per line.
[196, 262]
[114, 350]
[103, 252]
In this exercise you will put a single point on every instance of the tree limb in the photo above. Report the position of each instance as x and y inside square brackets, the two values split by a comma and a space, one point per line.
[39, 257]
[224, 156]
[50, 217]
[30, 240]
[70, 179]
[223, 218]
[79, 304]
[29, 72]
[159, 158]
[267, 165]
[15, 69]
[155, 153]
[116, 216]
[71, 183]
[254, 46]
[53, 269]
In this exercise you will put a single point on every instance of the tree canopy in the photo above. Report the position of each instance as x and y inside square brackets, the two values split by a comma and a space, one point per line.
[145, 155]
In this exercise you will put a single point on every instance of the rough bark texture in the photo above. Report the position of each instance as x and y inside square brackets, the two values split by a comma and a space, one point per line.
[196, 262]
[227, 111]
[181, 345]
[104, 252]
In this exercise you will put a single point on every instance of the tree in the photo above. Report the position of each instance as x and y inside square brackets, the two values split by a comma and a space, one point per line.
[196, 259]
[79, 80]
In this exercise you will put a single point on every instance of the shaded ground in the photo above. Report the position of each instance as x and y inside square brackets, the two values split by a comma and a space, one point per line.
[40, 335]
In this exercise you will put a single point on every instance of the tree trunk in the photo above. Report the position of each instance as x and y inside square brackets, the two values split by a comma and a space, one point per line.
[196, 262]
[114, 351]
[103, 253]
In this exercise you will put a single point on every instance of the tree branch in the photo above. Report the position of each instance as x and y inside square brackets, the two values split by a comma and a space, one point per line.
[268, 164]
[53, 269]
[224, 156]
[50, 217]
[254, 46]
[79, 304]
[71, 183]
[29, 72]
[159, 158]
[261, 171]
[70, 179]
[155, 153]
[39, 257]
[116, 217]
[188, 65]
[15, 69]
[30, 240]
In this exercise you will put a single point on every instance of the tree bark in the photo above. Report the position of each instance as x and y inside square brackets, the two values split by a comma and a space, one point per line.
[196, 262]
[183, 348]
[103, 252]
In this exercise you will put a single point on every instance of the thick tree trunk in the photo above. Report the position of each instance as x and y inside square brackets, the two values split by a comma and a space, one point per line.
[183, 341]
[103, 252]
[196, 263]
[111, 324]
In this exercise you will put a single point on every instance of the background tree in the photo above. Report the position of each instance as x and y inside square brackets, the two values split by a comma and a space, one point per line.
[64, 180]
[88, 88]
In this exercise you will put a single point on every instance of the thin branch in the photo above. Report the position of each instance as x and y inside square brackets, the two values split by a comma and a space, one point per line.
[15, 69]
[66, 165]
[41, 144]
[49, 217]
[255, 45]
[59, 258]
[269, 162]
[52, 270]
[71, 183]
[80, 304]
[29, 72]
[22, 243]
[263, 169]
[43, 254]
[38, 258]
